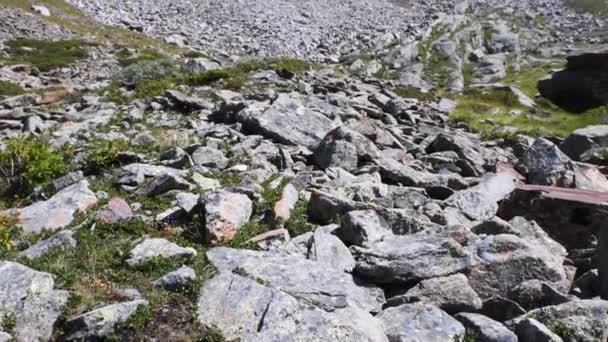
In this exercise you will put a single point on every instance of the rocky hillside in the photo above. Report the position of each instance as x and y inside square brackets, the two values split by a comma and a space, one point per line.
[303, 170]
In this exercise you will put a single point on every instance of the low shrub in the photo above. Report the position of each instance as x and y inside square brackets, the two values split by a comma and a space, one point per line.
[8, 88]
[105, 153]
[47, 55]
[147, 70]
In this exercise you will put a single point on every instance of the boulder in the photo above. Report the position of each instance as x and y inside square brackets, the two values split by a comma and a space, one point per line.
[363, 227]
[224, 213]
[178, 279]
[157, 248]
[210, 157]
[531, 330]
[343, 147]
[532, 294]
[315, 283]
[284, 206]
[116, 210]
[31, 298]
[287, 121]
[452, 294]
[501, 260]
[188, 103]
[579, 320]
[245, 309]
[62, 240]
[583, 140]
[403, 259]
[162, 184]
[96, 324]
[420, 322]
[485, 329]
[58, 211]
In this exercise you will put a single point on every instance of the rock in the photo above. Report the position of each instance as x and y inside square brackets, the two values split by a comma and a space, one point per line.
[210, 157]
[187, 201]
[452, 294]
[287, 121]
[188, 103]
[178, 279]
[501, 260]
[585, 139]
[5, 337]
[501, 309]
[163, 183]
[197, 65]
[531, 330]
[284, 206]
[535, 293]
[467, 149]
[481, 201]
[224, 212]
[578, 87]
[116, 210]
[100, 322]
[204, 183]
[67, 180]
[345, 148]
[579, 320]
[547, 165]
[42, 10]
[315, 283]
[58, 211]
[241, 308]
[485, 329]
[588, 284]
[61, 240]
[363, 227]
[324, 247]
[136, 173]
[405, 259]
[157, 248]
[420, 322]
[30, 296]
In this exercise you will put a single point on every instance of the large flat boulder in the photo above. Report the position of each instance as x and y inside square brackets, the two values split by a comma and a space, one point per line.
[31, 297]
[244, 309]
[58, 211]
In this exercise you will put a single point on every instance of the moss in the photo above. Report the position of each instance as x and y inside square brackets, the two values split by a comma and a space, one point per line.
[47, 55]
[298, 222]
[8, 322]
[562, 330]
[8, 88]
[410, 92]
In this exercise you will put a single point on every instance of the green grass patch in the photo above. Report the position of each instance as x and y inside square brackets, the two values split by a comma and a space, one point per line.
[104, 153]
[47, 55]
[125, 58]
[232, 77]
[291, 65]
[153, 88]
[410, 92]
[8, 88]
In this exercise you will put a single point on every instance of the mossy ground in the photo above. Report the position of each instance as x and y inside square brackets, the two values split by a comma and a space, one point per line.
[8, 88]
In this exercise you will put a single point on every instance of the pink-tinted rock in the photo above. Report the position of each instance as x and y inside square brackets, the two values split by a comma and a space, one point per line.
[116, 210]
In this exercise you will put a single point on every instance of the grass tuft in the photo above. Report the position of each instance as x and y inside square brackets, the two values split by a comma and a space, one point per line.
[47, 55]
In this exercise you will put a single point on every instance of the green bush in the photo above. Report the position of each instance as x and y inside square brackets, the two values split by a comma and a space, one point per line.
[147, 70]
[291, 65]
[125, 59]
[26, 163]
[105, 153]
[9, 88]
[233, 77]
[8, 233]
[153, 88]
[47, 55]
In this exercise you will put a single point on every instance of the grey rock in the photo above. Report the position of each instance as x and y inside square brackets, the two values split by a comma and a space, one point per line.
[100, 322]
[5, 337]
[420, 322]
[157, 248]
[178, 279]
[187, 201]
[579, 320]
[343, 147]
[315, 283]
[136, 173]
[531, 330]
[502, 258]
[485, 329]
[241, 308]
[116, 210]
[405, 259]
[547, 165]
[30, 296]
[58, 211]
[532, 294]
[284, 206]
[288, 121]
[324, 247]
[188, 102]
[585, 139]
[163, 183]
[197, 65]
[210, 157]
[501, 309]
[204, 183]
[224, 212]
[452, 294]
[67, 180]
[61, 240]
[363, 227]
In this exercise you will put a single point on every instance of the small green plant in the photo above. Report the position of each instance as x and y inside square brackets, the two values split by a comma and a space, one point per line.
[195, 54]
[8, 322]
[142, 316]
[290, 65]
[413, 93]
[28, 162]
[114, 93]
[233, 77]
[47, 55]
[153, 88]
[8, 233]
[8, 88]
[125, 58]
[147, 70]
[298, 222]
[105, 152]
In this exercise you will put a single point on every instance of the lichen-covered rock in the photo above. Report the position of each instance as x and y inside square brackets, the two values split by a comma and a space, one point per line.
[241, 308]
[100, 322]
[155, 248]
[62, 240]
[484, 329]
[30, 297]
[224, 212]
[58, 211]
[420, 322]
